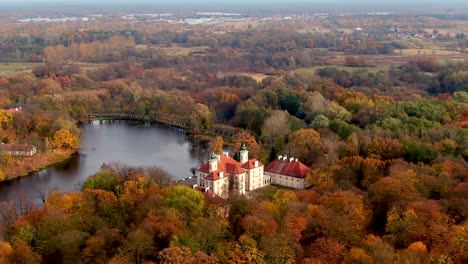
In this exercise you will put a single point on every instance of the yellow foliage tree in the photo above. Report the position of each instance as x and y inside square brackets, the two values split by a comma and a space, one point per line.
[358, 255]
[64, 139]
[321, 178]
[200, 118]
[5, 251]
[5, 159]
[2, 176]
[6, 119]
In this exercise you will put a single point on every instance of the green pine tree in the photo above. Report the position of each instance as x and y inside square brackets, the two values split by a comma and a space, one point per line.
[272, 154]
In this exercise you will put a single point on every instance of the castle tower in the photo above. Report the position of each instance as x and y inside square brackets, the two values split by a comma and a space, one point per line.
[213, 163]
[244, 154]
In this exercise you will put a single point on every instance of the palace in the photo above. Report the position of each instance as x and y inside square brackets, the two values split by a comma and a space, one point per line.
[224, 175]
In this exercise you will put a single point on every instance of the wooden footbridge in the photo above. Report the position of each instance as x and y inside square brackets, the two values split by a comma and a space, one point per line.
[154, 118]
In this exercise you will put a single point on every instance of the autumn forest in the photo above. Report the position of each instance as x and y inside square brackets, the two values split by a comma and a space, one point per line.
[375, 105]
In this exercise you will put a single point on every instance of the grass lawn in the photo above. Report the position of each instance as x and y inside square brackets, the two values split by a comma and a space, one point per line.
[267, 192]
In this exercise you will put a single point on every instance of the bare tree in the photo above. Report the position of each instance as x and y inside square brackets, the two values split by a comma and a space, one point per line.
[159, 176]
[276, 126]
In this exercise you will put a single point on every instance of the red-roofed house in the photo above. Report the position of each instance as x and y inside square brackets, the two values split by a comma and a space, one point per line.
[288, 172]
[18, 149]
[223, 174]
[15, 110]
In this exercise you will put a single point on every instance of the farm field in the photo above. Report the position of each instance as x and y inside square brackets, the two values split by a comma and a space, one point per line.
[311, 70]
[428, 52]
[13, 68]
[183, 51]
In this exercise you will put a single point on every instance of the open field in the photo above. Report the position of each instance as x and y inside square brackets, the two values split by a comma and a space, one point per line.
[17, 66]
[460, 26]
[451, 31]
[429, 52]
[256, 76]
[183, 51]
[311, 70]
[91, 66]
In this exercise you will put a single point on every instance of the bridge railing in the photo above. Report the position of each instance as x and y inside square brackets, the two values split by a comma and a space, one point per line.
[164, 119]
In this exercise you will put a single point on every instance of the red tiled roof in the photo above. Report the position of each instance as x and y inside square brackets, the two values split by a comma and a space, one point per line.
[226, 164]
[205, 168]
[16, 147]
[208, 193]
[251, 164]
[214, 176]
[201, 189]
[293, 169]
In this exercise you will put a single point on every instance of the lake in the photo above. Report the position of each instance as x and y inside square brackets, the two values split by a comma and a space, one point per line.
[132, 143]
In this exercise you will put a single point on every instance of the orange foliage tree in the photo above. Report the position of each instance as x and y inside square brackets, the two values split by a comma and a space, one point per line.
[305, 145]
[250, 142]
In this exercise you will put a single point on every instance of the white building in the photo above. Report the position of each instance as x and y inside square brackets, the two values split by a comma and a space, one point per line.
[288, 172]
[222, 174]
[18, 149]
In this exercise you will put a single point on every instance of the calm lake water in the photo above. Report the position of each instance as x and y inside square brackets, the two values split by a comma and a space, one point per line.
[134, 144]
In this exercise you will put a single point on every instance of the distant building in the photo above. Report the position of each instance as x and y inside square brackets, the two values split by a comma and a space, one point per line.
[223, 175]
[288, 172]
[15, 110]
[18, 149]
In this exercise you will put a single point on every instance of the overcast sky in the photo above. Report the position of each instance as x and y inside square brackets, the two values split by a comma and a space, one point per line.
[236, 2]
[379, 5]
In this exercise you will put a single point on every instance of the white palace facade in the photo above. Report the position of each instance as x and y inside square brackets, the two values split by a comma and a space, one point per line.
[223, 175]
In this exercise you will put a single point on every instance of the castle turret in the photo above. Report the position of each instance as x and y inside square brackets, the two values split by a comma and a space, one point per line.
[244, 154]
[213, 163]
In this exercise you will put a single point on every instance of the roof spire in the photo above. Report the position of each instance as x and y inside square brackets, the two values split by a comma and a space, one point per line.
[213, 156]
[243, 147]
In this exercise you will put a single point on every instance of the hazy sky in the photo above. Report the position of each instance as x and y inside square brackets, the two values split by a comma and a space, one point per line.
[435, 5]
[228, 2]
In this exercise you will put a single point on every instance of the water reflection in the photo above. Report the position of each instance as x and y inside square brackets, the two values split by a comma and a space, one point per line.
[132, 143]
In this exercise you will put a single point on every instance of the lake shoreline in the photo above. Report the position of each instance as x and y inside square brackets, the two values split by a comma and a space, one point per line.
[127, 142]
[59, 156]
[36, 163]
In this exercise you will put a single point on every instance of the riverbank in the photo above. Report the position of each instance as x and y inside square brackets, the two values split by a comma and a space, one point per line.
[22, 166]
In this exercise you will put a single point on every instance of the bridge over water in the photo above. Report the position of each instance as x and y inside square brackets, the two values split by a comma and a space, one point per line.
[154, 118]
[218, 129]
